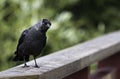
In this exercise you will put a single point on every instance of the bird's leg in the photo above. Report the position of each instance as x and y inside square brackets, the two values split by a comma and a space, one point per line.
[25, 65]
[35, 62]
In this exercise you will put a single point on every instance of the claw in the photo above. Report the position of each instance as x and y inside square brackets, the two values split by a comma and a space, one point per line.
[36, 66]
[25, 65]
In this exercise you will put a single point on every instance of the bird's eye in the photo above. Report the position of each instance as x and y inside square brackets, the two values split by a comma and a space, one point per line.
[45, 23]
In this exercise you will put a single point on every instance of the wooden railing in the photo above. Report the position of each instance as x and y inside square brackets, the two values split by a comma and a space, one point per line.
[74, 62]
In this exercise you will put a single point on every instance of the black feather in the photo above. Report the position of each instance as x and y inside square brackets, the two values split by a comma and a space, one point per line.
[32, 41]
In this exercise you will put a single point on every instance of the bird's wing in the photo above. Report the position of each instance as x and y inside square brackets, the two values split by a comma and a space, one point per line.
[21, 39]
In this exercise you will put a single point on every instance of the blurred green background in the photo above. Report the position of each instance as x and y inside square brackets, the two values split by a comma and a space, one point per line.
[73, 22]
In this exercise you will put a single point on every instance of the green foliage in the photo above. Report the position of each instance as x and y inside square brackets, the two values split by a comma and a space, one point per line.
[73, 21]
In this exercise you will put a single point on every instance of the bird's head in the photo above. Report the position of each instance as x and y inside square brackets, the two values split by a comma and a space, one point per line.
[45, 24]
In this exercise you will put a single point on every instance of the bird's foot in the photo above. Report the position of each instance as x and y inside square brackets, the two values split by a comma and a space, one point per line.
[36, 66]
[25, 66]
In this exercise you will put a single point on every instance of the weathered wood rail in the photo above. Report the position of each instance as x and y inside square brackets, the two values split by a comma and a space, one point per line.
[74, 62]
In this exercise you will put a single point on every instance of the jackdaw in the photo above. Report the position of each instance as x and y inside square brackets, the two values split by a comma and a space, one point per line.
[32, 41]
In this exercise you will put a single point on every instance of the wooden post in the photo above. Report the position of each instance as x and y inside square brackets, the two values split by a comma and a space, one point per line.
[111, 62]
[82, 74]
[67, 63]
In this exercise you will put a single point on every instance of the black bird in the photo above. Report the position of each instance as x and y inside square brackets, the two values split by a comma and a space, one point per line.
[32, 41]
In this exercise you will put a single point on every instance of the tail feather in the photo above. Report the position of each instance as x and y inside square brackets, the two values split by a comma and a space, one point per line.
[18, 58]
